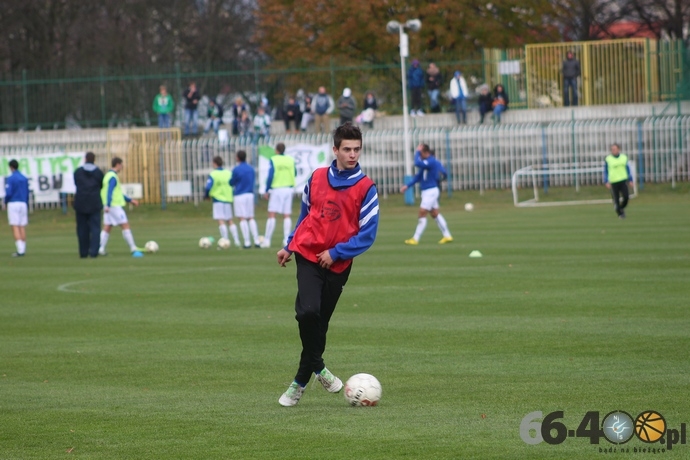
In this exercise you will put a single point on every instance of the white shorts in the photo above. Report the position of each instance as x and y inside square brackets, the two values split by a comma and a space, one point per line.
[430, 198]
[244, 206]
[280, 200]
[17, 214]
[115, 216]
[222, 211]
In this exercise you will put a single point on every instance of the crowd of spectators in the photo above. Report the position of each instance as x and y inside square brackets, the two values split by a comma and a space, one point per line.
[301, 111]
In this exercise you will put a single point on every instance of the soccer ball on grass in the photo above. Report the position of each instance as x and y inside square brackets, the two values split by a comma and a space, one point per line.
[205, 242]
[151, 246]
[469, 207]
[362, 390]
[224, 243]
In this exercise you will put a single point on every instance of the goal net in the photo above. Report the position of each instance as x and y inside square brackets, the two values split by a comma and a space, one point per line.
[564, 184]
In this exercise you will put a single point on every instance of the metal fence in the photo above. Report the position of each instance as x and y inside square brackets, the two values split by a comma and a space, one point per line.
[477, 157]
[620, 71]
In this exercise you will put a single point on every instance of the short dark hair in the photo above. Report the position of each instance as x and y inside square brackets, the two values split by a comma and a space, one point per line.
[90, 157]
[280, 148]
[115, 161]
[425, 148]
[242, 155]
[218, 161]
[617, 145]
[346, 131]
[14, 165]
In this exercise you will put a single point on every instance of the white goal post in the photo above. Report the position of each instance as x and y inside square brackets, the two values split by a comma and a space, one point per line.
[577, 172]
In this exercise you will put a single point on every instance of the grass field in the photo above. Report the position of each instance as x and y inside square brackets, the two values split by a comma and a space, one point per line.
[183, 354]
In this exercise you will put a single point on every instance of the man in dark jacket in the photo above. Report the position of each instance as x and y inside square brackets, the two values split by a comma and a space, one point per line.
[415, 81]
[87, 205]
[191, 114]
[571, 70]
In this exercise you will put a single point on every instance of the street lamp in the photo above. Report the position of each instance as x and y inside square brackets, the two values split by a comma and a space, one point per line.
[395, 27]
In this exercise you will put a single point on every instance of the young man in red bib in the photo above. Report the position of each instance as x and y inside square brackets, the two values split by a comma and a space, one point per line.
[338, 221]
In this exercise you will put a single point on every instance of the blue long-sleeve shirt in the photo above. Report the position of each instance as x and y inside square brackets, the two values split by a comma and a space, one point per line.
[606, 172]
[430, 172]
[368, 214]
[16, 188]
[209, 184]
[111, 187]
[269, 179]
[242, 179]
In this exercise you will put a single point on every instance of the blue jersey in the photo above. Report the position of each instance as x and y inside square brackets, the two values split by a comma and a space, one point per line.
[431, 172]
[16, 188]
[243, 177]
[368, 214]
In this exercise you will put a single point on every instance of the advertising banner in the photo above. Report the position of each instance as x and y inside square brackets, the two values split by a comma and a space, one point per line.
[49, 174]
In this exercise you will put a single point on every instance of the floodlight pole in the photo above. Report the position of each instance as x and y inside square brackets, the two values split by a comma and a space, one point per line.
[409, 193]
[414, 25]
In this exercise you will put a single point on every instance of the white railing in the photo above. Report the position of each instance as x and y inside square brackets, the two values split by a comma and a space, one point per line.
[477, 157]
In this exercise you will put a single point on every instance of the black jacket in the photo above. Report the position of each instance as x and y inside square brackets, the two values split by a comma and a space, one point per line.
[89, 180]
[189, 98]
[571, 68]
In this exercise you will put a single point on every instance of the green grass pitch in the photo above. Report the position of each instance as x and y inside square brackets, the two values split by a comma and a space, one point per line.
[183, 354]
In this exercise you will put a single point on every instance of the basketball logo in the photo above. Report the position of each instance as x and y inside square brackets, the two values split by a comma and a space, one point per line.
[650, 426]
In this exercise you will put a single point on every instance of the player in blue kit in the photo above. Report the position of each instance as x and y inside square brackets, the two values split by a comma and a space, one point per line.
[431, 171]
[17, 202]
[242, 181]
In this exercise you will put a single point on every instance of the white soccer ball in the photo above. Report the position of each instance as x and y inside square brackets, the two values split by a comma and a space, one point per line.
[151, 246]
[362, 390]
[469, 207]
[223, 243]
[205, 242]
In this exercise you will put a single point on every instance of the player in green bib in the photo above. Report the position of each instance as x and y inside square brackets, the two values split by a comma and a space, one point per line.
[114, 214]
[617, 176]
[218, 189]
[280, 188]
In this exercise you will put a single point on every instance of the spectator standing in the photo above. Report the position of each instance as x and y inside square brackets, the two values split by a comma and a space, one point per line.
[244, 125]
[485, 102]
[17, 203]
[163, 105]
[215, 116]
[347, 106]
[434, 81]
[191, 113]
[322, 106]
[500, 102]
[292, 114]
[369, 112]
[459, 93]
[262, 123]
[87, 205]
[571, 70]
[307, 114]
[415, 82]
[237, 108]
